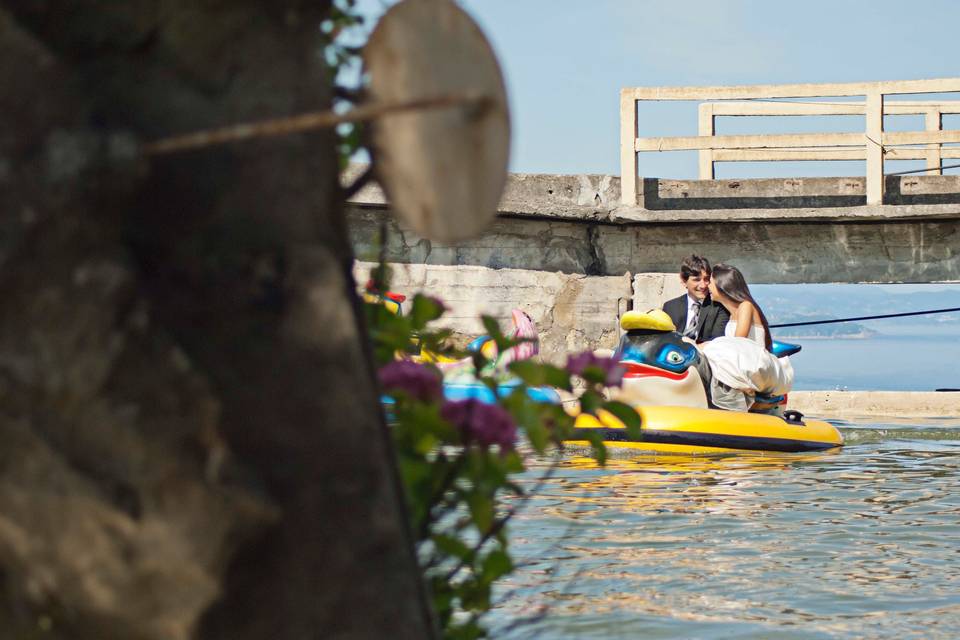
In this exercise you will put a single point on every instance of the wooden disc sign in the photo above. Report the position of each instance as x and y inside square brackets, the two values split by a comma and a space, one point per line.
[442, 168]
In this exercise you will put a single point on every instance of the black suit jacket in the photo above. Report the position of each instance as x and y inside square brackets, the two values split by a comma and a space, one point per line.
[711, 323]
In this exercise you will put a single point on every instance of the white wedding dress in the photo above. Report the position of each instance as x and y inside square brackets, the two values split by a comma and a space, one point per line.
[743, 368]
[757, 334]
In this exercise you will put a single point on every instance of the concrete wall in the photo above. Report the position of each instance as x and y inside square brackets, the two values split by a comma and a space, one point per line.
[573, 312]
[772, 252]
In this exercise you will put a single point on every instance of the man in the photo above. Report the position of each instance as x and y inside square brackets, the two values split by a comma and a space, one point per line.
[694, 314]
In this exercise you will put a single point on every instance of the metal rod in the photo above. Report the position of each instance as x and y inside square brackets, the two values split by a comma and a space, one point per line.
[303, 122]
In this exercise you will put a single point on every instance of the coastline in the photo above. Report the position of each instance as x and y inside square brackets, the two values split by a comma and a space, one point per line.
[842, 336]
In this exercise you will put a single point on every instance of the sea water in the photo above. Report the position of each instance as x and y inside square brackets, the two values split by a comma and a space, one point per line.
[879, 363]
[860, 542]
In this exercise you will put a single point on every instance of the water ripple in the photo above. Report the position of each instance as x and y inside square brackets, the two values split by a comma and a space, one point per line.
[862, 542]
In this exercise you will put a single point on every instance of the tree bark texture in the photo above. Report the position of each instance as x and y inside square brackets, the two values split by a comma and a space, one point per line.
[190, 438]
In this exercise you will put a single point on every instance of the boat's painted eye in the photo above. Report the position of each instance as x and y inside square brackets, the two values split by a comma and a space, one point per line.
[632, 354]
[674, 357]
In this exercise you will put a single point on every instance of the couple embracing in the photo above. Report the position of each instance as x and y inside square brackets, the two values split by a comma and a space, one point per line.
[719, 313]
[717, 303]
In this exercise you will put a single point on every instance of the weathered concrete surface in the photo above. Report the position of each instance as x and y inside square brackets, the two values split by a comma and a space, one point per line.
[849, 405]
[660, 194]
[579, 197]
[776, 230]
[651, 290]
[594, 197]
[785, 253]
[539, 245]
[572, 312]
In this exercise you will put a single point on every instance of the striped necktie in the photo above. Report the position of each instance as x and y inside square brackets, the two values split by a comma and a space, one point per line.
[691, 331]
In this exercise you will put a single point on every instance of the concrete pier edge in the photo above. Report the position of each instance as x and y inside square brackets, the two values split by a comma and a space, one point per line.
[853, 405]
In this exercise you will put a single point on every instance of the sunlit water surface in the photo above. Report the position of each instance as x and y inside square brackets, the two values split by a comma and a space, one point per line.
[864, 542]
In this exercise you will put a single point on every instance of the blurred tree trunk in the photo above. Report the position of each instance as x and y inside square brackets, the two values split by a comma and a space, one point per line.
[190, 438]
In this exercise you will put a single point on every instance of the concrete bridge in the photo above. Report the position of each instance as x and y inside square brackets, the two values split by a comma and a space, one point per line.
[568, 251]
[795, 230]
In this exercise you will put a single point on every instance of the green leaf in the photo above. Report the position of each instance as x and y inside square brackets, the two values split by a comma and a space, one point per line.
[561, 422]
[537, 375]
[590, 401]
[381, 275]
[557, 377]
[424, 310]
[442, 598]
[479, 360]
[475, 595]
[528, 371]
[513, 463]
[481, 510]
[538, 435]
[413, 471]
[424, 419]
[452, 546]
[594, 375]
[627, 415]
[595, 438]
[496, 564]
[425, 443]
[529, 416]
[493, 330]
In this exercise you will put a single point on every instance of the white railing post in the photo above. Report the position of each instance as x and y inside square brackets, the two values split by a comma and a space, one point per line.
[934, 122]
[874, 144]
[628, 151]
[706, 128]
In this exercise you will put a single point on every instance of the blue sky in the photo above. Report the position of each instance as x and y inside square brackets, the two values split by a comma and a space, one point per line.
[566, 60]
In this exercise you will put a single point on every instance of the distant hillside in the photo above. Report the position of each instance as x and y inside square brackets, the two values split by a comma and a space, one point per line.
[850, 330]
[801, 303]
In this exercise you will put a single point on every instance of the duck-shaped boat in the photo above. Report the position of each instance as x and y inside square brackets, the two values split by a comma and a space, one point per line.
[668, 382]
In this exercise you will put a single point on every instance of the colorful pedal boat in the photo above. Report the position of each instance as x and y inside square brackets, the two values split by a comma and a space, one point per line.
[693, 430]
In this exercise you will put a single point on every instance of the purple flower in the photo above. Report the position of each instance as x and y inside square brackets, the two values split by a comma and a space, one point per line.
[480, 422]
[418, 381]
[606, 368]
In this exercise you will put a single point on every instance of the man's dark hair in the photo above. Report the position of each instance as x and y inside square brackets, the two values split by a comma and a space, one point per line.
[694, 265]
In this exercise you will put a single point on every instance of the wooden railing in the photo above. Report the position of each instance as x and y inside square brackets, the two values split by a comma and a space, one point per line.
[873, 145]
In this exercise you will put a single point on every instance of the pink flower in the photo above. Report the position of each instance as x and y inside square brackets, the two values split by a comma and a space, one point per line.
[480, 422]
[418, 381]
[607, 368]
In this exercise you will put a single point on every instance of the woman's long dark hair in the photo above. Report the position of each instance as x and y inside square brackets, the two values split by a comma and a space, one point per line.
[731, 283]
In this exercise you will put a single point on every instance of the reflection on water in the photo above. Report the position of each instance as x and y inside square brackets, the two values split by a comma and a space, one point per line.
[862, 542]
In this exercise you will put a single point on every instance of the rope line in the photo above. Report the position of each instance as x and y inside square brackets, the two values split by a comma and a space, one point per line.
[877, 317]
[882, 148]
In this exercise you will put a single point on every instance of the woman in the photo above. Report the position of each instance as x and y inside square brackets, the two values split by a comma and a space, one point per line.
[729, 288]
[742, 361]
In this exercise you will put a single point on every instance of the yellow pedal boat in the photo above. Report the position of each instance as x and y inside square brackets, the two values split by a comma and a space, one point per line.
[667, 382]
[693, 430]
